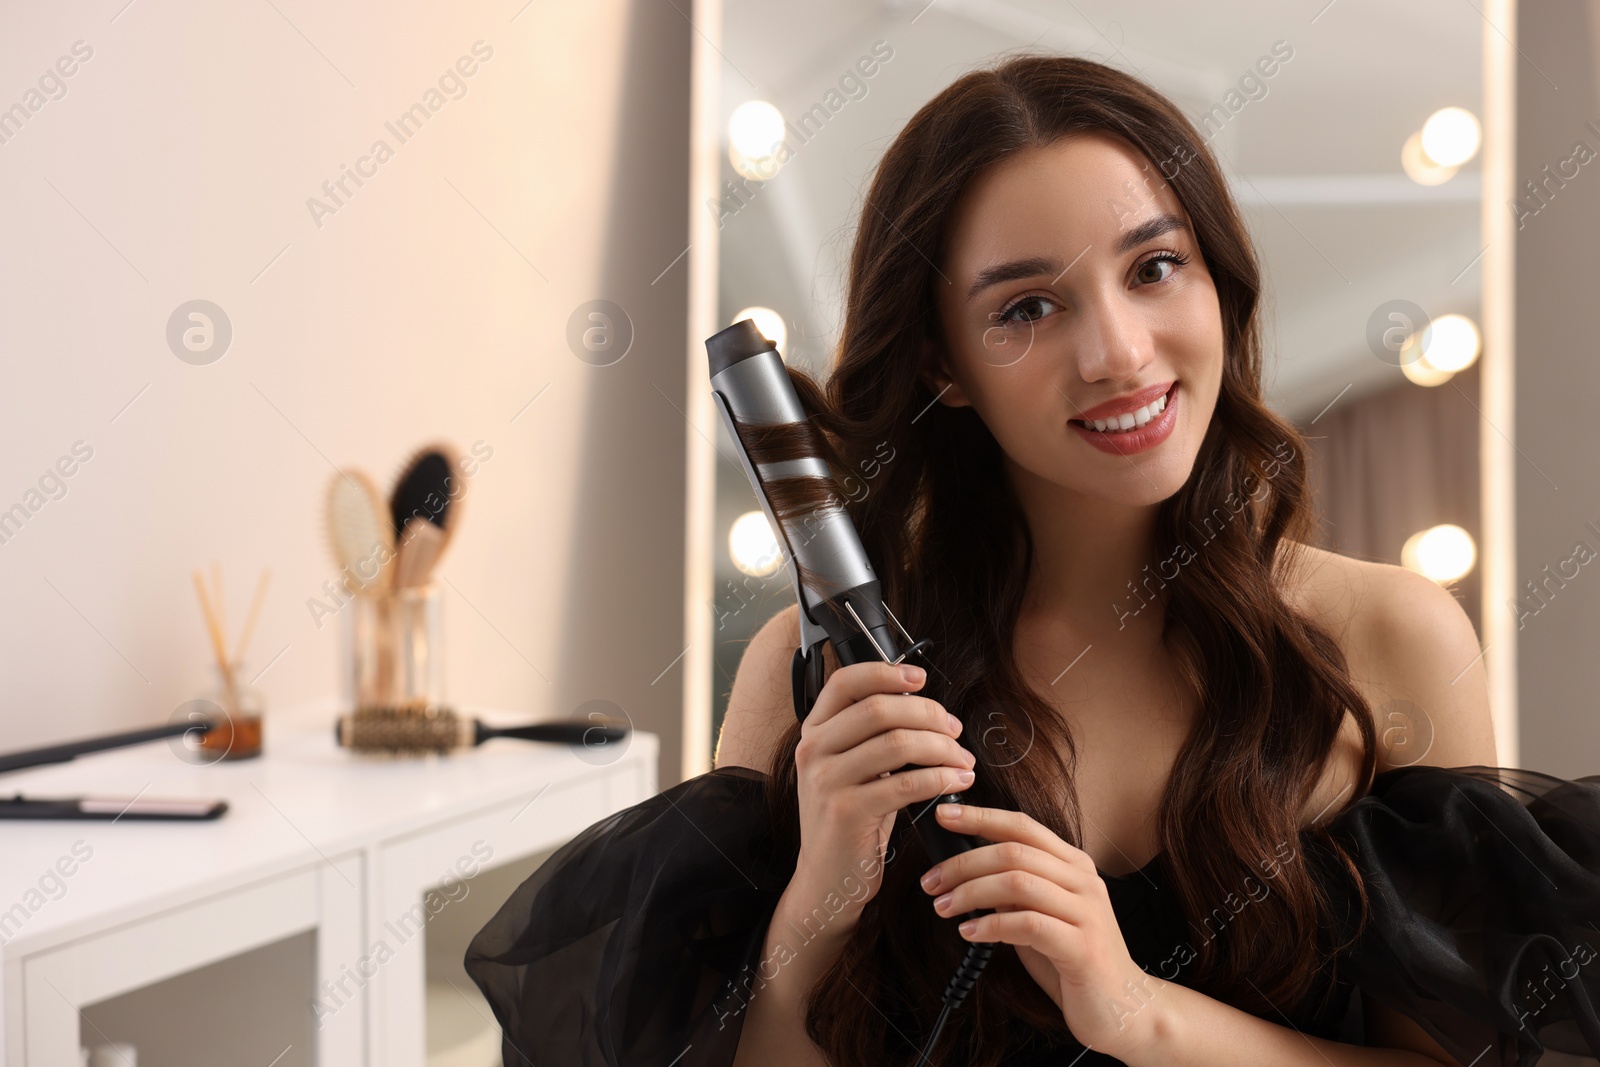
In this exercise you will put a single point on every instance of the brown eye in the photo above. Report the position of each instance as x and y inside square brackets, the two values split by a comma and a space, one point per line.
[1028, 309]
[1153, 264]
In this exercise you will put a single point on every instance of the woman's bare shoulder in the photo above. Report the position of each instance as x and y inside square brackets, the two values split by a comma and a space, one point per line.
[1411, 651]
[1359, 602]
[761, 703]
[1327, 587]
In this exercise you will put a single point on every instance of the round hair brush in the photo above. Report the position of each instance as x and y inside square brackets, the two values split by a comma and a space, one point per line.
[443, 730]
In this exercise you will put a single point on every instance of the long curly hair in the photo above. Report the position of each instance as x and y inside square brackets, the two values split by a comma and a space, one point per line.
[1273, 687]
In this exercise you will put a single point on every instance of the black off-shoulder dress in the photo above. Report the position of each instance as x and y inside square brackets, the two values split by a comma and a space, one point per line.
[636, 944]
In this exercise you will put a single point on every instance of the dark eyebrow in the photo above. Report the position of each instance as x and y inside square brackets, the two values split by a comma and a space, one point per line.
[1149, 230]
[1016, 269]
[1010, 272]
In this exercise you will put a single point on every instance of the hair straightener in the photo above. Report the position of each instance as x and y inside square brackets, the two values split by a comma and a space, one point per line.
[113, 808]
[835, 585]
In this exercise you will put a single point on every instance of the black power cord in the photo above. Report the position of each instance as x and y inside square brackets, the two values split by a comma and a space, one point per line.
[961, 984]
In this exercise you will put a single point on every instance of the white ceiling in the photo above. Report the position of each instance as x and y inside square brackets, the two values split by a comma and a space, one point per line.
[1315, 162]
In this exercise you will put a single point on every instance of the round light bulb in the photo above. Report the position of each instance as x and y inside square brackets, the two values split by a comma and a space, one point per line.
[1451, 136]
[1418, 369]
[1441, 553]
[1420, 167]
[755, 130]
[769, 322]
[1450, 343]
[752, 545]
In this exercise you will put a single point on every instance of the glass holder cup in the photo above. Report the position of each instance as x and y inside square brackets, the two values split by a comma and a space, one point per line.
[393, 650]
[236, 734]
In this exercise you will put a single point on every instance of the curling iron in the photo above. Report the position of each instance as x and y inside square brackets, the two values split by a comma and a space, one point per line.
[842, 603]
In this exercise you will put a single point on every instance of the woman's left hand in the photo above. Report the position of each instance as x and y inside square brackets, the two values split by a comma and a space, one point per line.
[1052, 905]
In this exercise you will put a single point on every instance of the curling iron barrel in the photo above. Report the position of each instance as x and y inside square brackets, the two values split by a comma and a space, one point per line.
[752, 388]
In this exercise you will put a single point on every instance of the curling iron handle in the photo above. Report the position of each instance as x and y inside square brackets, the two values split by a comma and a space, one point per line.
[940, 842]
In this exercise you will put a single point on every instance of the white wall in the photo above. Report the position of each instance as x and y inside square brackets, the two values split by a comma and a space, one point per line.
[1557, 379]
[433, 303]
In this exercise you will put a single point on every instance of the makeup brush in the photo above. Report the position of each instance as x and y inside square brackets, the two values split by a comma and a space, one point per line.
[428, 487]
[359, 530]
[441, 729]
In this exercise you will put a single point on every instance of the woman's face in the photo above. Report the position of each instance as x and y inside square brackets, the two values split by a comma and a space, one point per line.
[1073, 287]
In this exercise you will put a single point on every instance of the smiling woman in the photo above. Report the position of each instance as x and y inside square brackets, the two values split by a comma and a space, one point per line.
[1022, 275]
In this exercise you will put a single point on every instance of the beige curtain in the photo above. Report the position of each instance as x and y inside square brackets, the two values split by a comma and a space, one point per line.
[1388, 464]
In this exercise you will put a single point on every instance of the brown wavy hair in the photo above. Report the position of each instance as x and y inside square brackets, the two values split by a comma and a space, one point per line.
[924, 485]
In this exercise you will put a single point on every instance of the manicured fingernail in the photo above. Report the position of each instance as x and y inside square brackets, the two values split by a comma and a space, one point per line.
[950, 811]
[955, 724]
[930, 881]
[968, 926]
[965, 777]
[942, 903]
[912, 674]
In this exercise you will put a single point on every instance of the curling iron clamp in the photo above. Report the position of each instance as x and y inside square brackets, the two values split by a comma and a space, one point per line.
[752, 388]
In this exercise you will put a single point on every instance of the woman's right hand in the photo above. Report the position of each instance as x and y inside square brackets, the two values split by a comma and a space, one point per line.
[867, 723]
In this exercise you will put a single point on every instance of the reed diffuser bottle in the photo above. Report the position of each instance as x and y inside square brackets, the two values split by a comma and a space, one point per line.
[235, 731]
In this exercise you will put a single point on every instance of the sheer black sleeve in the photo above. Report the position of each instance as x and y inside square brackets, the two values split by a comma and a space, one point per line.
[1484, 885]
[637, 943]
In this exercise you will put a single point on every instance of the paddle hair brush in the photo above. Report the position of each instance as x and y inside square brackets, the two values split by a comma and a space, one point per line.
[835, 585]
[441, 729]
[359, 530]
